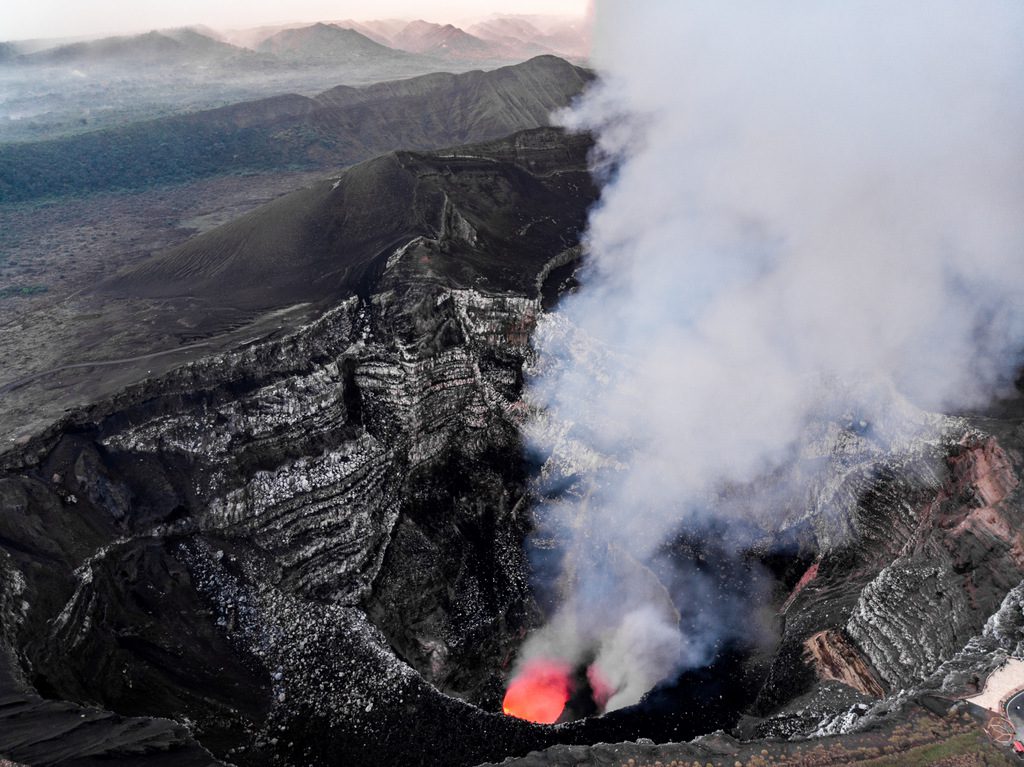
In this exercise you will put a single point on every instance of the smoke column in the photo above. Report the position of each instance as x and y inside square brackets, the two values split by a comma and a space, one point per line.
[810, 209]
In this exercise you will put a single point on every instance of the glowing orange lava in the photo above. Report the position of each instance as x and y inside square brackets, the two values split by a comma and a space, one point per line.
[540, 692]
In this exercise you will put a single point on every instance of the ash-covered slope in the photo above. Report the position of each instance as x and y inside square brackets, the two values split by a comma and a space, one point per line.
[489, 104]
[494, 212]
[337, 128]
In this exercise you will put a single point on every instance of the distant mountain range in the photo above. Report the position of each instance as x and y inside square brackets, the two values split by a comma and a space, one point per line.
[441, 40]
[501, 39]
[569, 37]
[171, 47]
[326, 43]
[57, 89]
[336, 128]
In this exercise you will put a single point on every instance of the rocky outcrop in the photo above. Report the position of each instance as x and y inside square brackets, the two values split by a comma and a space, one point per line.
[913, 589]
[928, 553]
[835, 658]
[809, 575]
[911, 524]
[951, 573]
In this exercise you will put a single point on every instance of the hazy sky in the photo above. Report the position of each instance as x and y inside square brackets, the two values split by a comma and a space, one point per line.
[65, 18]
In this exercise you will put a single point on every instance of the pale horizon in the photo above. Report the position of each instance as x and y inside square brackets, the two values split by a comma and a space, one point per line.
[57, 19]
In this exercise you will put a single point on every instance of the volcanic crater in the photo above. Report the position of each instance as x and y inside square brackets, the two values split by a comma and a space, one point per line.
[311, 547]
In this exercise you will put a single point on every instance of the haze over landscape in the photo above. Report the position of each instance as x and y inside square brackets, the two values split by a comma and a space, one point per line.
[65, 18]
[453, 384]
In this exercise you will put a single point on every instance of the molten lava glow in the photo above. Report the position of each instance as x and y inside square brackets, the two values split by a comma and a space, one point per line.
[540, 692]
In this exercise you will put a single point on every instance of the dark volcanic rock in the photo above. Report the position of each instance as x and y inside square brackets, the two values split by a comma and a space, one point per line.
[928, 569]
[36, 731]
[215, 546]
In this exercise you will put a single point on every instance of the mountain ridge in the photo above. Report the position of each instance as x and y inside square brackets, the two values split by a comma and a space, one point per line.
[441, 40]
[158, 47]
[336, 128]
[326, 43]
[323, 243]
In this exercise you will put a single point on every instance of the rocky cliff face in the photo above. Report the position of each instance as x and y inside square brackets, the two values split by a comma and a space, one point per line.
[835, 658]
[909, 535]
[218, 546]
[928, 553]
[910, 588]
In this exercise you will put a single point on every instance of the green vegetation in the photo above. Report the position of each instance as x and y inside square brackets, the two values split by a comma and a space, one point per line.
[164, 151]
[22, 291]
[966, 749]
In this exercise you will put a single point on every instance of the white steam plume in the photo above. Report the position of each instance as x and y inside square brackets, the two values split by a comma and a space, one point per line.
[811, 207]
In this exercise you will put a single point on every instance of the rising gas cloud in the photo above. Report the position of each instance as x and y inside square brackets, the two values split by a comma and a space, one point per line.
[810, 210]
